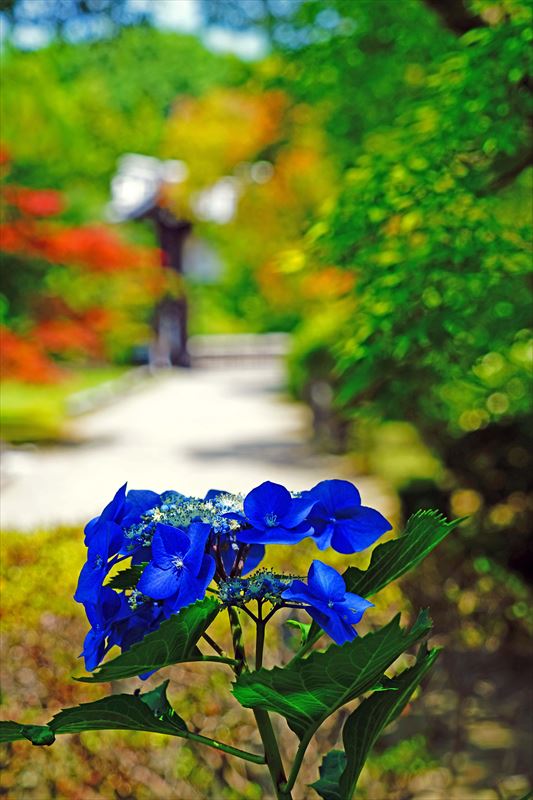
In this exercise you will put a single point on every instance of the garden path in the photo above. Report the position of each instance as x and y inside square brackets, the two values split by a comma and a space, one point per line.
[189, 430]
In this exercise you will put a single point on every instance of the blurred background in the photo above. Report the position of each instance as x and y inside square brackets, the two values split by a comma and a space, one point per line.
[270, 239]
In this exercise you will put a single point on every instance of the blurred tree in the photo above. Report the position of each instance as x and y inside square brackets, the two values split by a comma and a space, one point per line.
[427, 108]
[69, 293]
[91, 102]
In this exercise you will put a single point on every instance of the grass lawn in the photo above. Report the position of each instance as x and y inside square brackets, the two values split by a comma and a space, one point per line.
[37, 413]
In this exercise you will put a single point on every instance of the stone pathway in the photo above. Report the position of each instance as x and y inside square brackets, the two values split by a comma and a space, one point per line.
[191, 430]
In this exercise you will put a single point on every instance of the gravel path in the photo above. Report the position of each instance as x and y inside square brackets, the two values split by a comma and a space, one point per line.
[187, 430]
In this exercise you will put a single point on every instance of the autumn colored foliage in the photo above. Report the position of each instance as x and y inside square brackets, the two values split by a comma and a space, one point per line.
[70, 291]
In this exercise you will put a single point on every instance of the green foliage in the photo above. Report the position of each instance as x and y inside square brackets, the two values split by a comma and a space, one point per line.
[435, 330]
[338, 775]
[173, 642]
[363, 68]
[92, 97]
[307, 691]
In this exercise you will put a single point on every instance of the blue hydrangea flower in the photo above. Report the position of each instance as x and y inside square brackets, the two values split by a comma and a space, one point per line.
[105, 541]
[180, 570]
[275, 517]
[138, 502]
[340, 521]
[125, 509]
[113, 512]
[327, 601]
[107, 607]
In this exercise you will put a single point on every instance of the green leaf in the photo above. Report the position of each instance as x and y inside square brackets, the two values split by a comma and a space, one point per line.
[39, 734]
[157, 700]
[10, 731]
[330, 771]
[36, 734]
[150, 712]
[364, 726]
[423, 532]
[127, 578]
[303, 627]
[340, 769]
[130, 712]
[307, 691]
[174, 642]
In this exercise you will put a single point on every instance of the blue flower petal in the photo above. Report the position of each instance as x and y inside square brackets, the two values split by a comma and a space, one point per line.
[334, 626]
[337, 496]
[198, 534]
[359, 532]
[325, 582]
[275, 535]
[167, 543]
[205, 575]
[256, 554]
[89, 582]
[158, 583]
[212, 494]
[268, 498]
[298, 592]
[93, 649]
[188, 591]
[111, 513]
[138, 501]
[322, 537]
[352, 607]
[298, 512]
[109, 603]
[141, 555]
[105, 541]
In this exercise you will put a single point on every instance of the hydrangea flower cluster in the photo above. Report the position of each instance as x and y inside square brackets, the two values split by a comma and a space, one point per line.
[180, 547]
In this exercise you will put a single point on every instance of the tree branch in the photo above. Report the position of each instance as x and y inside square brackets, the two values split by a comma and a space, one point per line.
[456, 16]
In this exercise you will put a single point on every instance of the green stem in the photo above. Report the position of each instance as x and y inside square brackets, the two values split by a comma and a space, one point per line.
[259, 644]
[218, 660]
[216, 647]
[264, 723]
[238, 641]
[226, 748]
[272, 754]
[298, 758]
[306, 647]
